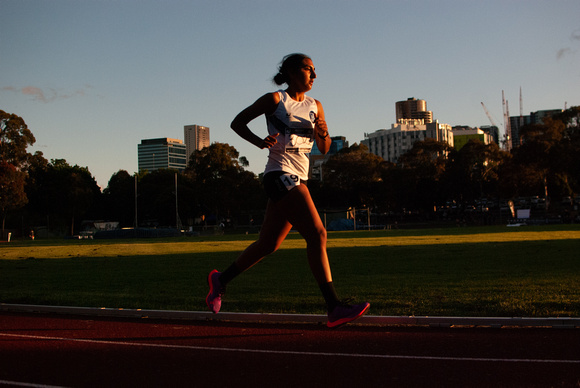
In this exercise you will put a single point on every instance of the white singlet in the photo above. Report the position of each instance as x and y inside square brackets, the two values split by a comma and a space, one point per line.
[294, 121]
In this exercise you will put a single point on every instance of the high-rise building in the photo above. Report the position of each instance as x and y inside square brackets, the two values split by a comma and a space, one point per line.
[516, 122]
[155, 154]
[414, 123]
[196, 138]
[391, 143]
[413, 109]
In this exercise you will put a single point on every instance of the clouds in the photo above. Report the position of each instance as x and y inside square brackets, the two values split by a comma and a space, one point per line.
[575, 38]
[46, 95]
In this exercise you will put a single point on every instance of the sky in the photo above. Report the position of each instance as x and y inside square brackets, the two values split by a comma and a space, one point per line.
[92, 78]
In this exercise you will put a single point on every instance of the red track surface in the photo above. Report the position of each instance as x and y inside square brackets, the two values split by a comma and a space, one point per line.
[49, 350]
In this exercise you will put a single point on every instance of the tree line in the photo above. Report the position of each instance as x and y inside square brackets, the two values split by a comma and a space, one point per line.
[431, 181]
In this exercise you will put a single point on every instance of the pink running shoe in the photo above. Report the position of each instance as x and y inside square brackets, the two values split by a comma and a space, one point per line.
[216, 290]
[345, 313]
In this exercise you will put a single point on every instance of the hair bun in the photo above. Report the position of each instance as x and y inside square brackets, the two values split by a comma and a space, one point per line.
[279, 79]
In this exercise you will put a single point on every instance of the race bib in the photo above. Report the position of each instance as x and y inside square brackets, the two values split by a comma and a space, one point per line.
[290, 181]
[299, 140]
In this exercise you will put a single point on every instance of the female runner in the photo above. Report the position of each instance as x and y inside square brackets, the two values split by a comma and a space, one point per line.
[294, 122]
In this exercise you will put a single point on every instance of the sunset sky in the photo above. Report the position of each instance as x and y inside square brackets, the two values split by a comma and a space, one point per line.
[93, 78]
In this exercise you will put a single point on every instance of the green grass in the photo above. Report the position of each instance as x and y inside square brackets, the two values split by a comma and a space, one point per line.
[492, 271]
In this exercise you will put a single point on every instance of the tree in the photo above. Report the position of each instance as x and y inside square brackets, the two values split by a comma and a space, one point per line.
[571, 146]
[157, 198]
[351, 177]
[12, 194]
[428, 157]
[543, 150]
[15, 137]
[222, 184]
[424, 167]
[64, 193]
[119, 198]
[472, 172]
[214, 162]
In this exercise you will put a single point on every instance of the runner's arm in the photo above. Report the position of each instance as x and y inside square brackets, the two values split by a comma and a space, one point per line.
[321, 136]
[264, 105]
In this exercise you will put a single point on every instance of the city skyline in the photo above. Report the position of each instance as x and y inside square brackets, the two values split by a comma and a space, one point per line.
[93, 78]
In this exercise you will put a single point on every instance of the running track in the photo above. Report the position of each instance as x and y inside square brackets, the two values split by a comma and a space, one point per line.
[48, 350]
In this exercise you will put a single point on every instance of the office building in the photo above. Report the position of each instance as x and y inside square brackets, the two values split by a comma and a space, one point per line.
[462, 135]
[391, 143]
[516, 122]
[155, 154]
[492, 131]
[414, 123]
[196, 138]
[413, 109]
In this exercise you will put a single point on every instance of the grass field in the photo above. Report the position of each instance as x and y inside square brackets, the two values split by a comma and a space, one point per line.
[491, 271]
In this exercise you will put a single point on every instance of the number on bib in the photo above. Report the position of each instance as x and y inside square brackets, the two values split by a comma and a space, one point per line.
[290, 181]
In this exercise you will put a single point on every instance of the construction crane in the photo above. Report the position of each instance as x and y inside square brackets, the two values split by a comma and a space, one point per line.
[489, 116]
[505, 141]
[506, 120]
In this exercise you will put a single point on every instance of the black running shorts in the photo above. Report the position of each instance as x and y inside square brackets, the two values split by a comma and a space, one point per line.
[279, 183]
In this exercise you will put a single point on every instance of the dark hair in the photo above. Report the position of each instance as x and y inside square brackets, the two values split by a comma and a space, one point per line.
[290, 63]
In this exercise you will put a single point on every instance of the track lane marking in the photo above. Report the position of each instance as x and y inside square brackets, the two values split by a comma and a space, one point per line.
[23, 384]
[292, 352]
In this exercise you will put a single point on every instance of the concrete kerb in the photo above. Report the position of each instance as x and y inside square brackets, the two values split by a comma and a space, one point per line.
[367, 320]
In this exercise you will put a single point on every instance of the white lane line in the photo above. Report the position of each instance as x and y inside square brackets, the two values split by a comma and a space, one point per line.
[21, 384]
[293, 352]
